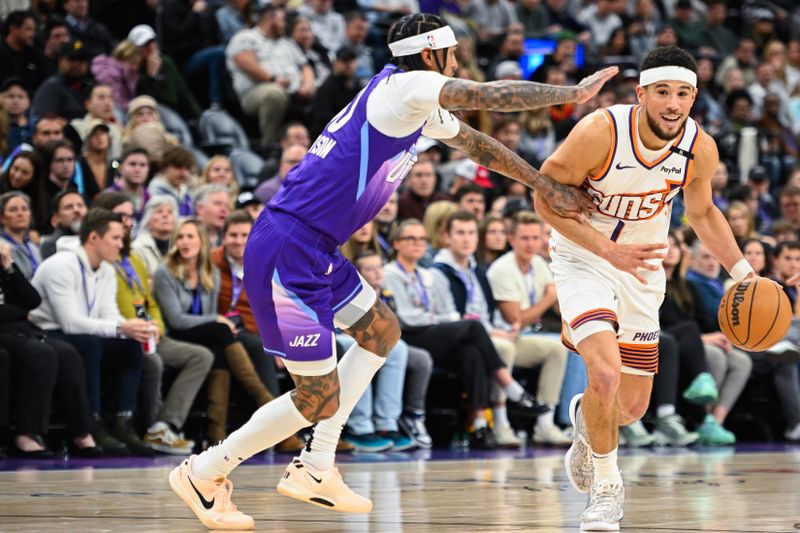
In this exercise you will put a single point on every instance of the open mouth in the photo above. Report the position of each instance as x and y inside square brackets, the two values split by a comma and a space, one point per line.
[671, 119]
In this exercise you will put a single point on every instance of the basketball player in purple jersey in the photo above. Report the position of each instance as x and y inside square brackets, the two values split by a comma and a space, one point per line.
[300, 287]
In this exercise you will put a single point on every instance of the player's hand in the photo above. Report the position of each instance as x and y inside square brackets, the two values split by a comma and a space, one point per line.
[567, 201]
[590, 86]
[632, 257]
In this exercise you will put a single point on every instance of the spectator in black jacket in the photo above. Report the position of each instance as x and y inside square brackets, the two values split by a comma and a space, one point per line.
[336, 91]
[64, 93]
[93, 34]
[18, 56]
[42, 369]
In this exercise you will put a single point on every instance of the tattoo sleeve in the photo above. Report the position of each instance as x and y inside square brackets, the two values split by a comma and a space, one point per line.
[503, 95]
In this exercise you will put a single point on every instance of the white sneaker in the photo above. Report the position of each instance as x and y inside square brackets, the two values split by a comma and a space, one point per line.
[793, 434]
[578, 460]
[161, 438]
[604, 510]
[550, 435]
[505, 437]
[324, 488]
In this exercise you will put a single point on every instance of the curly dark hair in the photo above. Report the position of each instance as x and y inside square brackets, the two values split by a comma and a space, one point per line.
[669, 56]
[408, 26]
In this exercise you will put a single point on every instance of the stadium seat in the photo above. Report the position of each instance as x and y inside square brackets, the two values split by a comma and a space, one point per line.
[176, 126]
[247, 166]
[218, 128]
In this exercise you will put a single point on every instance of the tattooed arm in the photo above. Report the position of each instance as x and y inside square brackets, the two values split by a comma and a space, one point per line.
[507, 95]
[565, 200]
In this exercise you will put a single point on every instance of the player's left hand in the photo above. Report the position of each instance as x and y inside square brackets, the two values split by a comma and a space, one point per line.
[591, 85]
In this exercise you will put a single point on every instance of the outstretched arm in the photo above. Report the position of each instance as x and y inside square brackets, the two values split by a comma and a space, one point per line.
[565, 200]
[507, 95]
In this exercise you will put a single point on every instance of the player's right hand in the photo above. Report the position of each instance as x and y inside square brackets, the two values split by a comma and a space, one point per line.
[590, 86]
[568, 201]
[632, 257]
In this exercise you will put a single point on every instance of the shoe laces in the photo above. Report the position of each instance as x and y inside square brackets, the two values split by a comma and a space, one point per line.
[605, 496]
[224, 493]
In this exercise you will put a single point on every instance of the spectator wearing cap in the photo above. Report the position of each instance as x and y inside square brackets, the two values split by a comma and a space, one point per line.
[176, 168]
[248, 202]
[96, 37]
[513, 206]
[18, 56]
[95, 163]
[17, 104]
[54, 34]
[290, 158]
[158, 222]
[421, 191]
[336, 91]
[328, 25]
[145, 128]
[468, 172]
[267, 68]
[120, 72]
[160, 77]
[763, 30]
[64, 93]
[758, 180]
[192, 38]
[355, 37]
[69, 210]
[100, 109]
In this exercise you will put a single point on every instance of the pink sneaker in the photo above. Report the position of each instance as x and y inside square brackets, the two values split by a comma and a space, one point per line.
[209, 500]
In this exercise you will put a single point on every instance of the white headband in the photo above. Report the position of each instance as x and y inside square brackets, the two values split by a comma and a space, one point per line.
[672, 73]
[435, 40]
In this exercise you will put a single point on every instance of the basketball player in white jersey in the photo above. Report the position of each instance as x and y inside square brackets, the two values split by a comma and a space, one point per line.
[633, 160]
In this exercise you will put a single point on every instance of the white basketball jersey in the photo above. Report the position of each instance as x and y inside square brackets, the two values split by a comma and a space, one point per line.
[634, 195]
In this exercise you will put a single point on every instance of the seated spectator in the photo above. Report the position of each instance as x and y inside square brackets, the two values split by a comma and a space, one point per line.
[220, 170]
[176, 167]
[17, 102]
[212, 205]
[96, 163]
[419, 363]
[730, 366]
[759, 255]
[336, 91]
[492, 18]
[54, 33]
[23, 173]
[304, 40]
[96, 36]
[429, 320]
[160, 77]
[63, 93]
[385, 222]
[79, 306]
[327, 24]
[266, 69]
[789, 200]
[234, 16]
[420, 191]
[290, 158]
[16, 220]
[69, 210]
[229, 259]
[119, 72]
[156, 228]
[247, 202]
[100, 108]
[163, 419]
[719, 184]
[64, 173]
[365, 239]
[19, 56]
[470, 198]
[145, 129]
[48, 128]
[43, 369]
[521, 284]
[186, 287]
[191, 37]
[741, 221]
[435, 223]
[533, 16]
[492, 241]
[133, 168]
[356, 32]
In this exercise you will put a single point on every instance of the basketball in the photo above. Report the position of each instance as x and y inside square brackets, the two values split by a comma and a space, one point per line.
[755, 314]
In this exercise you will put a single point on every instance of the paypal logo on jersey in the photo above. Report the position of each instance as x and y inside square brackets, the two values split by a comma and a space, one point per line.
[670, 170]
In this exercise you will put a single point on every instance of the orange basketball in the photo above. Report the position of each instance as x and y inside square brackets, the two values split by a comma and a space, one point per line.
[755, 314]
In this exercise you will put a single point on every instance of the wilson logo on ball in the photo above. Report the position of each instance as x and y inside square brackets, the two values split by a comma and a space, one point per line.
[738, 298]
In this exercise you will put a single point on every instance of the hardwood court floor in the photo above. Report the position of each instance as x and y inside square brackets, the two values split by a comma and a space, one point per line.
[717, 491]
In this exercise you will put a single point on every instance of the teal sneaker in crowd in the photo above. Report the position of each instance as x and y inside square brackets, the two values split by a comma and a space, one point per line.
[713, 434]
[671, 431]
[635, 436]
[702, 390]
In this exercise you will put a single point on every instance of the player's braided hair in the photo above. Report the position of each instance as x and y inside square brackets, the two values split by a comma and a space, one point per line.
[409, 26]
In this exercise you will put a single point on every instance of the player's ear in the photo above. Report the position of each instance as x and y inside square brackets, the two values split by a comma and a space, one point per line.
[427, 57]
[640, 91]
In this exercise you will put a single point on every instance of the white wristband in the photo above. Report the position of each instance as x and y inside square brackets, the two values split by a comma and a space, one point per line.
[740, 270]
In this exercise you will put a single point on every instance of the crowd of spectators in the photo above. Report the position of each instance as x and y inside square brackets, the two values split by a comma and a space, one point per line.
[121, 299]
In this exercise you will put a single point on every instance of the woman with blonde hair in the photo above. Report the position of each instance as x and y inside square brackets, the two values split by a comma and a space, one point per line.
[120, 71]
[435, 222]
[741, 221]
[363, 240]
[219, 169]
[187, 289]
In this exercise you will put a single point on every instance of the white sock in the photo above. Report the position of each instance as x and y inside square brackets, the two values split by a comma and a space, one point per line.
[269, 425]
[665, 410]
[514, 391]
[500, 415]
[605, 467]
[546, 419]
[479, 423]
[356, 370]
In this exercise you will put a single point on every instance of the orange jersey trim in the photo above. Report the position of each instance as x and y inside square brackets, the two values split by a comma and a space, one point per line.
[612, 152]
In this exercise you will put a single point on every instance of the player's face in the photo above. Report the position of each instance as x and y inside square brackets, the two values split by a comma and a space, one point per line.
[235, 240]
[787, 264]
[463, 237]
[666, 105]
[754, 253]
[526, 241]
[410, 245]
[371, 268]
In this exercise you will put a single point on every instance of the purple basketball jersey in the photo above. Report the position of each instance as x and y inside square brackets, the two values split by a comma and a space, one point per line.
[349, 173]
